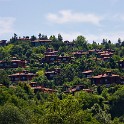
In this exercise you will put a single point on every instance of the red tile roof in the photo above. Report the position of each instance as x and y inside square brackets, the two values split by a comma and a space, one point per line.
[105, 75]
[88, 71]
[42, 41]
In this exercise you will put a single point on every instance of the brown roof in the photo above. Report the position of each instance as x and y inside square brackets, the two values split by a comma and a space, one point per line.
[92, 50]
[33, 82]
[44, 89]
[88, 71]
[51, 55]
[42, 41]
[14, 60]
[64, 57]
[79, 53]
[22, 73]
[105, 75]
[49, 72]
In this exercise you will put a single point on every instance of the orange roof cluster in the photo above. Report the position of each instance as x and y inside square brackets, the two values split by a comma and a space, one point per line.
[105, 75]
[43, 89]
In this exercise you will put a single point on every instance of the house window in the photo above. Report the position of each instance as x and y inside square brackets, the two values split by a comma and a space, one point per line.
[16, 79]
[89, 75]
[107, 85]
[6, 64]
[1, 64]
[23, 78]
[51, 58]
[51, 75]
[106, 80]
[64, 58]
[34, 85]
[14, 63]
[120, 65]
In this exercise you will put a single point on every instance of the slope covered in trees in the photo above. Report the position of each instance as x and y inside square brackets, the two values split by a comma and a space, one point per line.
[51, 81]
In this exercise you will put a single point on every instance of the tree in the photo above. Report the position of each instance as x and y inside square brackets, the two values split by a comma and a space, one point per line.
[39, 35]
[60, 38]
[33, 38]
[102, 116]
[10, 114]
[4, 79]
[117, 103]
[81, 43]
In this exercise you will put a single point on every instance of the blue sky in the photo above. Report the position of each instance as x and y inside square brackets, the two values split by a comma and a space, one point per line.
[94, 19]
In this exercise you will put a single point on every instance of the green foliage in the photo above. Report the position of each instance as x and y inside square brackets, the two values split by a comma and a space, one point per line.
[101, 115]
[10, 114]
[4, 79]
[117, 103]
[81, 43]
[19, 104]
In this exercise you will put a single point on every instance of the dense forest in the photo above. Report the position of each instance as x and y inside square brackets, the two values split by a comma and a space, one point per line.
[50, 81]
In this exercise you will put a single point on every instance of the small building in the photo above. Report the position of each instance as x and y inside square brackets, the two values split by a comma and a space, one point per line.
[40, 42]
[92, 52]
[110, 50]
[13, 64]
[3, 43]
[50, 51]
[107, 78]
[33, 84]
[87, 73]
[70, 44]
[106, 59]
[25, 38]
[48, 90]
[52, 73]
[103, 54]
[64, 59]
[22, 76]
[79, 54]
[106, 55]
[77, 88]
[43, 89]
[51, 58]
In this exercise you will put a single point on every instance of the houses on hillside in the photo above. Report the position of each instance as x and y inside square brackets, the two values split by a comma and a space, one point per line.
[38, 88]
[88, 73]
[80, 53]
[106, 78]
[51, 74]
[77, 88]
[22, 76]
[12, 64]
[40, 42]
[52, 57]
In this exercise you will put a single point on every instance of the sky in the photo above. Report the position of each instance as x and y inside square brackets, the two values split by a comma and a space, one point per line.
[93, 19]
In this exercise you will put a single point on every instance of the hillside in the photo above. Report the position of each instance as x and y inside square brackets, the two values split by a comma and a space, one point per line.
[50, 81]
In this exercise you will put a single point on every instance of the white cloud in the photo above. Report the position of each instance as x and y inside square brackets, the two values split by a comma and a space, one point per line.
[66, 16]
[6, 25]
